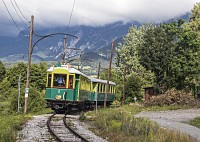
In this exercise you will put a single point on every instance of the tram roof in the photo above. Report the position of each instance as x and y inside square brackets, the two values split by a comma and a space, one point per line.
[101, 81]
[75, 71]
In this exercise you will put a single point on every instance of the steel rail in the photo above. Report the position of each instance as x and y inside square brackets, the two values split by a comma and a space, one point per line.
[51, 130]
[68, 127]
[74, 132]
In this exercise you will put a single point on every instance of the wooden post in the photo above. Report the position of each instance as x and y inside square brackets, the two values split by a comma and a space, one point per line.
[29, 64]
[124, 79]
[109, 70]
[99, 67]
[18, 104]
[64, 50]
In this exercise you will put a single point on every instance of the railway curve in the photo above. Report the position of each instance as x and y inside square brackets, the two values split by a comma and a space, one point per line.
[36, 129]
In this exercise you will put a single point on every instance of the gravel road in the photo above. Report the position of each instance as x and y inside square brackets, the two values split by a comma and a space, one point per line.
[175, 120]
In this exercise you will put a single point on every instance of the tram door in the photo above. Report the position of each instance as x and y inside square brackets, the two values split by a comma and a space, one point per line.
[76, 87]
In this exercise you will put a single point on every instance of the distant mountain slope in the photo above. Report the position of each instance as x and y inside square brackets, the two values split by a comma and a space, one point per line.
[94, 42]
[95, 39]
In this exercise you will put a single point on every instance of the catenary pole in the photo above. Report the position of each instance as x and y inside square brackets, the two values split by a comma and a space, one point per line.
[124, 79]
[109, 70]
[29, 64]
[98, 76]
[18, 104]
[99, 67]
[64, 50]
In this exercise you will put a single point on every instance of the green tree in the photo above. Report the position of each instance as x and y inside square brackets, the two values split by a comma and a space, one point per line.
[157, 51]
[14, 72]
[127, 56]
[5, 95]
[37, 75]
[133, 88]
[185, 66]
[194, 24]
[2, 71]
[127, 53]
[9, 88]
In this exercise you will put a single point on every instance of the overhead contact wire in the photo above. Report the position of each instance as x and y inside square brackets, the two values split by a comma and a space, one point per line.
[18, 13]
[21, 11]
[12, 18]
[71, 16]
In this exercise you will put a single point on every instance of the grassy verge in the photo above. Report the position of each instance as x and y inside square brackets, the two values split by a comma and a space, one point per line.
[195, 122]
[165, 107]
[119, 124]
[43, 111]
[10, 124]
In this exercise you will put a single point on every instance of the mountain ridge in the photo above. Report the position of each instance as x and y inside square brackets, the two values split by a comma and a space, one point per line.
[91, 40]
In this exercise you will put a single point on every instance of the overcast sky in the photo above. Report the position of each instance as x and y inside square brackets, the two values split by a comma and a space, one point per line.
[52, 13]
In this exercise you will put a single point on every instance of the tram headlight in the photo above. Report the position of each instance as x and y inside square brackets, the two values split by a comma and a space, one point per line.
[58, 97]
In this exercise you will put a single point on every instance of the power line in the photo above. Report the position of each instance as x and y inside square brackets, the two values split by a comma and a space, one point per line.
[18, 13]
[26, 19]
[35, 33]
[21, 11]
[71, 15]
[12, 18]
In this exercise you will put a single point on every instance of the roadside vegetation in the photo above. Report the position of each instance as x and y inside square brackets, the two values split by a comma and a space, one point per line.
[11, 120]
[10, 124]
[119, 124]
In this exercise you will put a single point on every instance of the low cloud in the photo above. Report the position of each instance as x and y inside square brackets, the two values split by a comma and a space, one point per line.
[49, 13]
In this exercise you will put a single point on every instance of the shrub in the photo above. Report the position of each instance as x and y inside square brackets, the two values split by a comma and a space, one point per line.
[133, 88]
[36, 100]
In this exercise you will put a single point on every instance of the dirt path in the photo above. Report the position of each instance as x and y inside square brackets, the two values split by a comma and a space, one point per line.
[175, 120]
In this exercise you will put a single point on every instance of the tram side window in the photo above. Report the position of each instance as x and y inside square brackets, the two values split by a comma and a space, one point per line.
[71, 81]
[98, 87]
[49, 80]
[101, 90]
[59, 80]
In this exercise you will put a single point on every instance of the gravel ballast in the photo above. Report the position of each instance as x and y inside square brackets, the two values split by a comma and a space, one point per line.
[36, 130]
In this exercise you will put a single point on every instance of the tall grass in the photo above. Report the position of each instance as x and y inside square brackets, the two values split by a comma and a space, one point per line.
[119, 124]
[9, 126]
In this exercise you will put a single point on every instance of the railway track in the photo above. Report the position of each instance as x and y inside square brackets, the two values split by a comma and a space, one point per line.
[64, 130]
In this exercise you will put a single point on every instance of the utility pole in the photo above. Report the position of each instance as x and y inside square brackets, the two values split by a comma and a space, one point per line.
[97, 91]
[79, 61]
[99, 67]
[18, 106]
[64, 50]
[124, 79]
[109, 70]
[29, 64]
